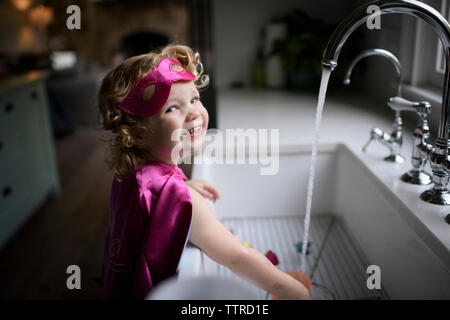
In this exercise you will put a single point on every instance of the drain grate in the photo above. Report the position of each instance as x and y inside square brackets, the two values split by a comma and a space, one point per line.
[336, 264]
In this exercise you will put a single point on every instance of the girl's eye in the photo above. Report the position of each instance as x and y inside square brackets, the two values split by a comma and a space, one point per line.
[171, 109]
[194, 100]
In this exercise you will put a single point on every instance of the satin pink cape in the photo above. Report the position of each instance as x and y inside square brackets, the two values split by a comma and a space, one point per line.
[149, 225]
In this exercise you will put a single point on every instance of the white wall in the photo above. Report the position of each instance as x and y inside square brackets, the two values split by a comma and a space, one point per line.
[237, 25]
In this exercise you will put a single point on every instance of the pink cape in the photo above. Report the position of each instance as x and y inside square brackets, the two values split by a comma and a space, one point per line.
[149, 225]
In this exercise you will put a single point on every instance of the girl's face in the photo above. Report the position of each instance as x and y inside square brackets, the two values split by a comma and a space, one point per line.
[183, 110]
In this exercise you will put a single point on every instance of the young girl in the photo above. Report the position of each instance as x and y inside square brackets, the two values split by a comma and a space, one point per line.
[153, 211]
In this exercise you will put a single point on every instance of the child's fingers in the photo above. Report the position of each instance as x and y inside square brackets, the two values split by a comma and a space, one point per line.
[205, 193]
[213, 190]
[212, 195]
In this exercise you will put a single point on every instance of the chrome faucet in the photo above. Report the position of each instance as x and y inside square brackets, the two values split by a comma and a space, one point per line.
[394, 140]
[417, 174]
[382, 53]
[439, 154]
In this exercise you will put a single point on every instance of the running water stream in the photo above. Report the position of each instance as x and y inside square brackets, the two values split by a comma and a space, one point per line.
[312, 169]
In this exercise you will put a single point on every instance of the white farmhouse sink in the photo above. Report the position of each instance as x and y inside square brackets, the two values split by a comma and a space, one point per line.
[356, 222]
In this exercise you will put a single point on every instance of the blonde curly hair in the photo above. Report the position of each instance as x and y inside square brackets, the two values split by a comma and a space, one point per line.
[127, 144]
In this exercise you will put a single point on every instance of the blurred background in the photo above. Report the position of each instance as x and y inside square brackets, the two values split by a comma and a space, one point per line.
[53, 178]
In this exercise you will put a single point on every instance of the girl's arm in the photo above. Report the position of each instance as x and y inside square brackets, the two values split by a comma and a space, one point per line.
[213, 238]
[205, 188]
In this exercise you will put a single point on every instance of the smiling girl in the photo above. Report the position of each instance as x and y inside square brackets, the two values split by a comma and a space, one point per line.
[151, 104]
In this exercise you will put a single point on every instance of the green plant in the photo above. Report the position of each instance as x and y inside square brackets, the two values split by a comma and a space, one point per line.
[302, 49]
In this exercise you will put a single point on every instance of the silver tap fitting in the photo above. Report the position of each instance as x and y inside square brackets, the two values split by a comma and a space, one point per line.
[439, 194]
[382, 53]
[419, 157]
[392, 141]
[439, 162]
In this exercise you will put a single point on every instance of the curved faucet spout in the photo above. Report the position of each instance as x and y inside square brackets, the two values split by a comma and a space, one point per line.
[382, 53]
[409, 7]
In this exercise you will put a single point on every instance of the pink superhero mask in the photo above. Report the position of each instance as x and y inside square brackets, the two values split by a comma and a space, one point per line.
[162, 76]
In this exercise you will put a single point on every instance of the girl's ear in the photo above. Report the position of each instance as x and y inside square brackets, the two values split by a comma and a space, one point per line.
[148, 92]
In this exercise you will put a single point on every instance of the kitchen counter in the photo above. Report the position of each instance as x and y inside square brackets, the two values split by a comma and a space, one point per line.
[347, 119]
[20, 80]
[28, 167]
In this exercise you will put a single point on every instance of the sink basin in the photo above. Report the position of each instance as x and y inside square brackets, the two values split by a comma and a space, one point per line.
[356, 222]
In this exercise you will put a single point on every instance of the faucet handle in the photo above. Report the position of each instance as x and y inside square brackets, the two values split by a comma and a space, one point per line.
[422, 108]
[376, 134]
[364, 148]
[401, 104]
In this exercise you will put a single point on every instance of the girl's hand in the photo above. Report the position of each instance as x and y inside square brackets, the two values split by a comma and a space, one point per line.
[205, 188]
